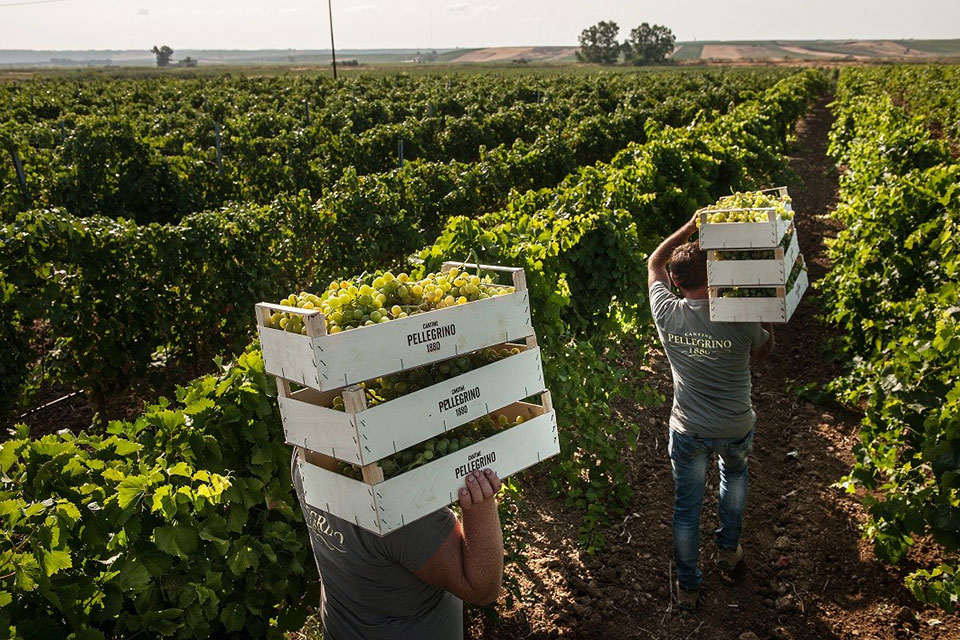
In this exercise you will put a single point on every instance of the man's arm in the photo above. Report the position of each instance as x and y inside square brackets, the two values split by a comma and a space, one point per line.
[767, 348]
[469, 563]
[657, 264]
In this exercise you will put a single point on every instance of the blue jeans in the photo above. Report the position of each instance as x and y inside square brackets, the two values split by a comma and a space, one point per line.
[689, 455]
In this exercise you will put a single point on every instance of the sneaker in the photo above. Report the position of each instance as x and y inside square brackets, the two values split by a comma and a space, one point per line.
[687, 600]
[728, 559]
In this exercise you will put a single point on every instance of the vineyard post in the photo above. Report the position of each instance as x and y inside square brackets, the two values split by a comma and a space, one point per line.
[306, 106]
[400, 151]
[18, 166]
[216, 131]
[63, 133]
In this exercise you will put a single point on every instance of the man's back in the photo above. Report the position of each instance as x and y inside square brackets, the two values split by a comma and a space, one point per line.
[369, 589]
[710, 362]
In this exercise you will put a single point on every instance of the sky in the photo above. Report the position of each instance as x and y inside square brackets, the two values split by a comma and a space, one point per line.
[369, 24]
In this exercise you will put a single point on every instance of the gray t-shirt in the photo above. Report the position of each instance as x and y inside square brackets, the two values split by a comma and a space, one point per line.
[710, 362]
[368, 589]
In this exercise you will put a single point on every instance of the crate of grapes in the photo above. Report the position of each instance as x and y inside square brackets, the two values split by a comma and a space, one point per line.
[759, 304]
[417, 481]
[360, 330]
[753, 267]
[752, 220]
[365, 424]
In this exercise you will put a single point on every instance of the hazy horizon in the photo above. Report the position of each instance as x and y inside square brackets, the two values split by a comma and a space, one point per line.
[112, 25]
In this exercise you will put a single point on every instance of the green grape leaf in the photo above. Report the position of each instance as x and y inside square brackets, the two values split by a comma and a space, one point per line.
[178, 541]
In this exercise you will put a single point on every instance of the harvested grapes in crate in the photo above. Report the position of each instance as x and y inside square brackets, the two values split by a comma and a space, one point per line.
[372, 326]
[751, 220]
[417, 481]
[753, 267]
[759, 304]
[394, 388]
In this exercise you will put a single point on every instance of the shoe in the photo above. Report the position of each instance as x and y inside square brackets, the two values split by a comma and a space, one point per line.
[728, 559]
[687, 600]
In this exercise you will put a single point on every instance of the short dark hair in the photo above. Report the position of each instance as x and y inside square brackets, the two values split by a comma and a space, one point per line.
[688, 266]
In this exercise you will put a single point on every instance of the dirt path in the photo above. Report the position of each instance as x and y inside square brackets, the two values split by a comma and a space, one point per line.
[807, 572]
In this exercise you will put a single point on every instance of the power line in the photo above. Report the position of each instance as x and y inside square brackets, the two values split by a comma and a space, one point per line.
[17, 4]
[333, 49]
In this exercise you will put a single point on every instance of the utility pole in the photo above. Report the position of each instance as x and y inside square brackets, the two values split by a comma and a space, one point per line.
[333, 50]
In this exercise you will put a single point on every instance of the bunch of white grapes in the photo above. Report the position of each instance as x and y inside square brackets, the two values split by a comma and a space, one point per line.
[399, 384]
[748, 206]
[748, 292]
[798, 266]
[413, 457]
[372, 300]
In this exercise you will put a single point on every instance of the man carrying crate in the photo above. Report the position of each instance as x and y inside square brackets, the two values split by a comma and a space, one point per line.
[411, 583]
[712, 411]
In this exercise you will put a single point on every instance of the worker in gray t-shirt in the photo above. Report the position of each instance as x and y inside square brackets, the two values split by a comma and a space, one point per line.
[712, 411]
[411, 583]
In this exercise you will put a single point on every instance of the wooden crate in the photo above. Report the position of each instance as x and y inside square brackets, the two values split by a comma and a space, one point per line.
[324, 361]
[367, 435]
[778, 309]
[745, 235]
[753, 272]
[385, 505]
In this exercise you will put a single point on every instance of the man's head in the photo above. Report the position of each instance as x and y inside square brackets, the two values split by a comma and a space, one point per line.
[688, 267]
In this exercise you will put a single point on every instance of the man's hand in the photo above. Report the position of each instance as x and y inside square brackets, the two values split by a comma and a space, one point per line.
[657, 264]
[481, 487]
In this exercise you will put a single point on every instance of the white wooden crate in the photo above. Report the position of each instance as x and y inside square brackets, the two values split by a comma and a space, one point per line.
[753, 272]
[743, 235]
[778, 309]
[324, 361]
[376, 432]
[384, 506]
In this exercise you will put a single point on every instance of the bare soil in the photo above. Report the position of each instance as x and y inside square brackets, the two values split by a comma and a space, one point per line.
[807, 573]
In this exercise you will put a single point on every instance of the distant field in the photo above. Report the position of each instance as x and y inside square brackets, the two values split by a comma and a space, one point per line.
[919, 50]
[721, 51]
[688, 51]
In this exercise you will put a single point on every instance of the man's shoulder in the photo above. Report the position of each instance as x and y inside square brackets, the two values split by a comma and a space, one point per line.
[662, 301]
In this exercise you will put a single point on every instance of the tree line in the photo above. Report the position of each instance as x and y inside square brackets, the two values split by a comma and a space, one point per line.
[648, 44]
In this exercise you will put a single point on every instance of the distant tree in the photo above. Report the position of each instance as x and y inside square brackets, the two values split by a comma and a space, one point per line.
[649, 44]
[599, 43]
[163, 54]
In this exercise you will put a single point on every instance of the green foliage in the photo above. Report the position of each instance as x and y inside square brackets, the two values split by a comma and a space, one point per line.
[122, 299]
[146, 150]
[649, 44]
[893, 293]
[181, 524]
[599, 44]
[15, 346]
[114, 292]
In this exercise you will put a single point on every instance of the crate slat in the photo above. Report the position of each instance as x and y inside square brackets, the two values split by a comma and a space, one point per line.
[742, 235]
[338, 360]
[382, 430]
[777, 310]
[746, 273]
[393, 503]
[289, 356]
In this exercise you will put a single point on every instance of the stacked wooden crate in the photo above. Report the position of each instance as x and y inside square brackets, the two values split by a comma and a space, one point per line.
[316, 369]
[755, 271]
